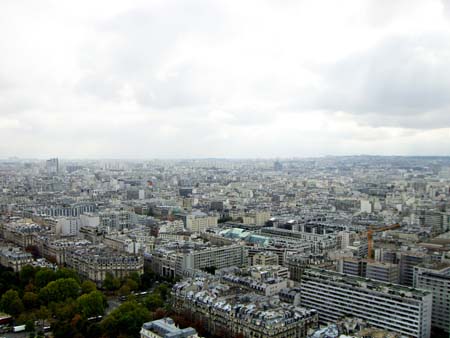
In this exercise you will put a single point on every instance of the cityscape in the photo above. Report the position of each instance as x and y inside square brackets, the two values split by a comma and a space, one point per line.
[225, 169]
[353, 246]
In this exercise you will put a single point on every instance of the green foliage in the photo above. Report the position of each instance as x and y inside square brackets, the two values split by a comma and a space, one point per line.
[8, 279]
[154, 301]
[59, 290]
[67, 273]
[43, 277]
[135, 277]
[91, 304]
[125, 321]
[27, 274]
[132, 284]
[30, 300]
[11, 303]
[147, 280]
[163, 290]
[124, 290]
[111, 283]
[87, 287]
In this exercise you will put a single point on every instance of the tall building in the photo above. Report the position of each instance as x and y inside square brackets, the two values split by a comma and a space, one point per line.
[436, 279]
[384, 305]
[52, 166]
[386, 272]
[408, 260]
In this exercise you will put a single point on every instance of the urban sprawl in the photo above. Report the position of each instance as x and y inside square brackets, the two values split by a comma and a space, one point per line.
[354, 246]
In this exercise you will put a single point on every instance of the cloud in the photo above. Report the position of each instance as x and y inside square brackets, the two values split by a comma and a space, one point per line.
[404, 81]
[259, 78]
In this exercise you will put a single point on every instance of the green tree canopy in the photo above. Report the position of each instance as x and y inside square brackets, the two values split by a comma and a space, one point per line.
[126, 320]
[43, 277]
[59, 290]
[91, 304]
[11, 303]
[154, 301]
[111, 283]
[67, 273]
[30, 300]
[87, 286]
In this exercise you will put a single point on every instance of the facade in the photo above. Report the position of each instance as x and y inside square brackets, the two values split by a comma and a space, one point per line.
[386, 272]
[15, 258]
[21, 234]
[200, 222]
[95, 263]
[231, 311]
[383, 305]
[408, 260]
[436, 279]
[265, 258]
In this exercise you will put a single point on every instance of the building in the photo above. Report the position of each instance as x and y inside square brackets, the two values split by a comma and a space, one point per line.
[382, 271]
[52, 166]
[408, 260]
[15, 258]
[183, 260]
[383, 305]
[265, 258]
[200, 222]
[436, 278]
[166, 328]
[96, 262]
[231, 311]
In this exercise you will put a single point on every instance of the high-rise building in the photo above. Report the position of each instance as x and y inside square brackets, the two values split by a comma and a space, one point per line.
[436, 279]
[52, 166]
[384, 305]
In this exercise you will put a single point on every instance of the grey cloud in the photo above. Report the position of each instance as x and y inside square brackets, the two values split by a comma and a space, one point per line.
[142, 41]
[401, 82]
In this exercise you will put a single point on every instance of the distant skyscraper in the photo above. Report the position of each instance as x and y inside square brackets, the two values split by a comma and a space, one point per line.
[277, 166]
[52, 166]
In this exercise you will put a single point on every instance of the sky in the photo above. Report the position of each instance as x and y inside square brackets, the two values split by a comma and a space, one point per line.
[224, 78]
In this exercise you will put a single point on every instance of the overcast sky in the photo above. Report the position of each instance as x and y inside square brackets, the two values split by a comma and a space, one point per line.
[207, 78]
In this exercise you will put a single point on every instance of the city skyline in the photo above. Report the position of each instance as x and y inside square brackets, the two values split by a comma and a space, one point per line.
[198, 79]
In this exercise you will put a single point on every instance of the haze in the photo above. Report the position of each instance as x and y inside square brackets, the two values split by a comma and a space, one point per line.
[280, 78]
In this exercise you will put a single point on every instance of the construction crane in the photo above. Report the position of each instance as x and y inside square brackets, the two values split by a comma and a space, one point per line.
[370, 232]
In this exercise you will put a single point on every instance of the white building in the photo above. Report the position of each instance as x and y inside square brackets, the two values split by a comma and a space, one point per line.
[384, 305]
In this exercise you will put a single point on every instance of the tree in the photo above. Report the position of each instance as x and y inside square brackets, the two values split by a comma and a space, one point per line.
[163, 290]
[135, 277]
[124, 290]
[91, 304]
[132, 284]
[11, 303]
[67, 273]
[154, 301]
[87, 286]
[30, 300]
[43, 277]
[147, 280]
[59, 290]
[125, 321]
[27, 274]
[111, 283]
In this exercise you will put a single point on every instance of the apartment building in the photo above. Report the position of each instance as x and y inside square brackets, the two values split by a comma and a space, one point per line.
[232, 311]
[179, 260]
[95, 262]
[436, 278]
[384, 305]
